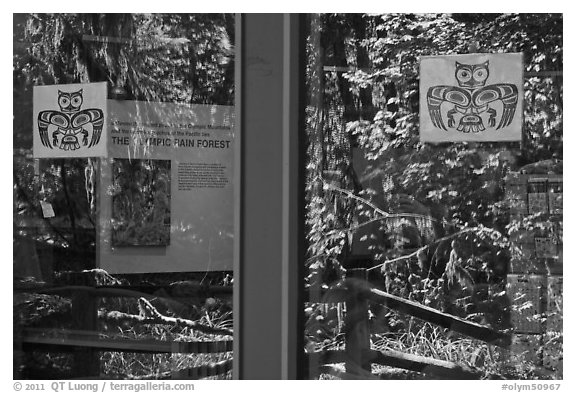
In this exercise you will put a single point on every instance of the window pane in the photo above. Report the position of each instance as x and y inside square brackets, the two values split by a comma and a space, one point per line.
[123, 184]
[445, 254]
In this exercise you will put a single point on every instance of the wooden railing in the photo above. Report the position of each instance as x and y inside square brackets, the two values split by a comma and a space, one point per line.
[85, 342]
[358, 356]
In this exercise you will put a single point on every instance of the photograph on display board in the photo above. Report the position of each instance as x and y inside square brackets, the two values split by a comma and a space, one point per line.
[141, 202]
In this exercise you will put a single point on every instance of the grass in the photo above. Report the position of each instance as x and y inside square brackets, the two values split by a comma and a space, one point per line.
[425, 339]
[53, 314]
[158, 366]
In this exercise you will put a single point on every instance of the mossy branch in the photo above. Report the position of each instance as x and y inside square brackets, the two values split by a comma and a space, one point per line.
[149, 315]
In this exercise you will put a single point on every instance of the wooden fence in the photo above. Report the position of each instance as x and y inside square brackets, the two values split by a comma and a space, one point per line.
[358, 356]
[85, 342]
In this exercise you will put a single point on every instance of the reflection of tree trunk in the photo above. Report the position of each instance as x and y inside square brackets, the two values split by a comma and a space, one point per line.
[354, 108]
[108, 25]
[117, 25]
[68, 202]
[316, 86]
[91, 175]
[28, 200]
[228, 85]
[340, 60]
[366, 110]
[361, 107]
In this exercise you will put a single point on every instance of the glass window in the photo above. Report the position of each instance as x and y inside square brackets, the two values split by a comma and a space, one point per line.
[122, 195]
[434, 258]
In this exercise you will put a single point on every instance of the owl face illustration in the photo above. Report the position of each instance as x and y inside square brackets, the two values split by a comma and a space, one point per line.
[70, 102]
[469, 105]
[472, 76]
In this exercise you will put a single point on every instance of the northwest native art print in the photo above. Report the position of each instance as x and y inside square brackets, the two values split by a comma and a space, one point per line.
[70, 128]
[471, 98]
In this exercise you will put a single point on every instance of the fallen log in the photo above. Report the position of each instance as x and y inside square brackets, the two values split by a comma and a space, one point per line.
[118, 316]
[439, 369]
[68, 340]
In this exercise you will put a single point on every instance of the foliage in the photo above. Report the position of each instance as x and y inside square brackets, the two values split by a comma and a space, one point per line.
[431, 341]
[432, 217]
[62, 184]
[455, 185]
[176, 57]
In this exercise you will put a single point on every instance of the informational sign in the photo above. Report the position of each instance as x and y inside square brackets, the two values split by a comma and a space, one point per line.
[475, 97]
[166, 193]
[70, 120]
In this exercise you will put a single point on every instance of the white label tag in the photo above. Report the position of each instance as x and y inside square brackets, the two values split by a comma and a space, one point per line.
[47, 210]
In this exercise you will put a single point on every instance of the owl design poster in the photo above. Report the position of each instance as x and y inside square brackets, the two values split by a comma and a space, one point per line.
[474, 97]
[70, 120]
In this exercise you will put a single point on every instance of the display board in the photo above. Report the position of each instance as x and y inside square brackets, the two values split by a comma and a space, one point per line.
[166, 188]
[70, 120]
[535, 282]
[536, 248]
[474, 97]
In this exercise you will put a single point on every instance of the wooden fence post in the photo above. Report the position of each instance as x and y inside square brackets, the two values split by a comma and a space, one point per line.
[357, 332]
[84, 317]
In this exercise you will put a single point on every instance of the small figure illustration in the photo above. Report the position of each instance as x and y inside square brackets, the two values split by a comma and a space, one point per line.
[471, 98]
[70, 123]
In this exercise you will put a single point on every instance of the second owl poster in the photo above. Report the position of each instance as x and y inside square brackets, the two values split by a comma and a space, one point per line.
[475, 97]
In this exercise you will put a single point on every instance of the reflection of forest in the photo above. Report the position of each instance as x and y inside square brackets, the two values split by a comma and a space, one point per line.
[141, 202]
